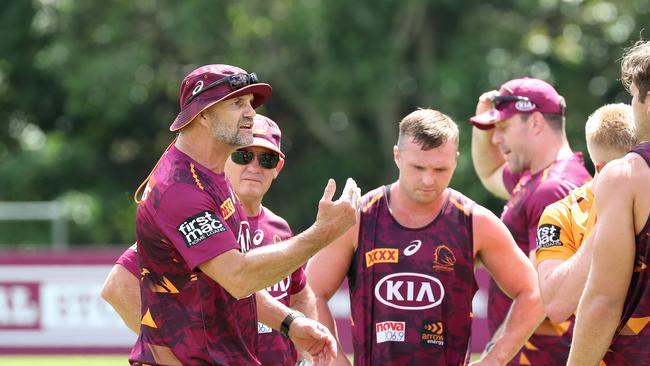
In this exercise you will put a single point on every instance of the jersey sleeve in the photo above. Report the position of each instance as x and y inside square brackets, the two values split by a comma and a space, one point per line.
[298, 280]
[548, 193]
[554, 237]
[192, 221]
[129, 260]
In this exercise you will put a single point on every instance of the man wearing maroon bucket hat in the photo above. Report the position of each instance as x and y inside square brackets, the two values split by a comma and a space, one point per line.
[197, 274]
[521, 153]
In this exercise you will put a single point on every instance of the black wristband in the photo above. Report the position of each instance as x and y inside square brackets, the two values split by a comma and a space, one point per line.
[286, 323]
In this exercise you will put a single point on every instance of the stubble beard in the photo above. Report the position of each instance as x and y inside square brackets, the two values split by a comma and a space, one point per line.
[228, 137]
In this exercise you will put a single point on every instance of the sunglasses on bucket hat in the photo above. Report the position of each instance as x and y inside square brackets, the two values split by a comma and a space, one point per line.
[245, 157]
[236, 81]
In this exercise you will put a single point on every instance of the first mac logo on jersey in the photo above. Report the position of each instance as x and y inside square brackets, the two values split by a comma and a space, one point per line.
[199, 227]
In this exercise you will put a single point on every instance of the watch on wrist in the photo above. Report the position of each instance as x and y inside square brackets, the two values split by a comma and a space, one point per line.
[286, 323]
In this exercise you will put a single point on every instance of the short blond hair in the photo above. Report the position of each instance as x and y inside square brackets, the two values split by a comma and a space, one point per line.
[610, 132]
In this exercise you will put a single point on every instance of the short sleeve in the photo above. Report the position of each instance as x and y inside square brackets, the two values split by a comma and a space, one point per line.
[554, 237]
[192, 221]
[298, 280]
[129, 260]
[548, 193]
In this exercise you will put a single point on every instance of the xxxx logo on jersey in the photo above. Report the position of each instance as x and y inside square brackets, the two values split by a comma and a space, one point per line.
[382, 255]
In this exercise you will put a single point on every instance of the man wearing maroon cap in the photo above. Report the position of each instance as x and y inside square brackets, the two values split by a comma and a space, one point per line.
[521, 153]
[193, 238]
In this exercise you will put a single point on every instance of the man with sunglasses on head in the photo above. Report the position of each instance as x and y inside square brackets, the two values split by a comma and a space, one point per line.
[410, 261]
[251, 170]
[521, 153]
[197, 275]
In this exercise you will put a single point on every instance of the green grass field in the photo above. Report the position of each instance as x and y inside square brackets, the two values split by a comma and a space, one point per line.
[95, 360]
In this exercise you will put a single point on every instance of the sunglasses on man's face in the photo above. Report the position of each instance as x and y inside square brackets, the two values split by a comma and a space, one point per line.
[500, 100]
[235, 82]
[245, 157]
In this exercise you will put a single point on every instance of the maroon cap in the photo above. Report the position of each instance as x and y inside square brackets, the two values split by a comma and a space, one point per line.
[266, 133]
[542, 97]
[194, 89]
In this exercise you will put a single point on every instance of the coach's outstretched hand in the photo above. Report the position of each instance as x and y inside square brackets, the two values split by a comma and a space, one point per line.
[335, 217]
[313, 337]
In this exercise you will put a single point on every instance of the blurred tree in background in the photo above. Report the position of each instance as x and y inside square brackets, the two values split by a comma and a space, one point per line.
[88, 89]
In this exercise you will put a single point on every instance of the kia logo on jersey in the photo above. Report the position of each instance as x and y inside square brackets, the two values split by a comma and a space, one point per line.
[410, 291]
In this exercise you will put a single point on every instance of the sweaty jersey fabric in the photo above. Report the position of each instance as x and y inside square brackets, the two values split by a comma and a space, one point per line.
[411, 289]
[188, 216]
[273, 348]
[266, 228]
[529, 195]
[565, 224]
[631, 345]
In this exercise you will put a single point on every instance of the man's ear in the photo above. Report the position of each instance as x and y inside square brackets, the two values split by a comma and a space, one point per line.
[396, 155]
[537, 122]
[278, 168]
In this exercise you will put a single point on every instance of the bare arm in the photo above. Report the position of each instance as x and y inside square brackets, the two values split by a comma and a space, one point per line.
[122, 291]
[494, 246]
[326, 272]
[305, 302]
[241, 274]
[601, 305]
[562, 281]
[307, 334]
[488, 160]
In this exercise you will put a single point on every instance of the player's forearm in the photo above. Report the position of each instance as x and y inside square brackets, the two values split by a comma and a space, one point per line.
[270, 311]
[305, 302]
[122, 291]
[596, 323]
[485, 155]
[523, 318]
[561, 289]
[265, 266]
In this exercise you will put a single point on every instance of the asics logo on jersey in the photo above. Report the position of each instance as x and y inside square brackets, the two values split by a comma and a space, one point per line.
[199, 227]
[258, 237]
[382, 255]
[413, 247]
[409, 291]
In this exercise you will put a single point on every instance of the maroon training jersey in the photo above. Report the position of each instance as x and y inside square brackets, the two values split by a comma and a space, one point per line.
[631, 345]
[411, 289]
[273, 348]
[529, 195]
[189, 215]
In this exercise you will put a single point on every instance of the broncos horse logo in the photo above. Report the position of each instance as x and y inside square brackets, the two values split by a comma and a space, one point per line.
[443, 258]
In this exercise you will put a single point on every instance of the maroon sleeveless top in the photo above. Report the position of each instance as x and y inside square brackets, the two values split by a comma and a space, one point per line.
[631, 345]
[411, 290]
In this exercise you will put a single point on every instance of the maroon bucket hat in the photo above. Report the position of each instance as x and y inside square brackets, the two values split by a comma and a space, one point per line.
[211, 84]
